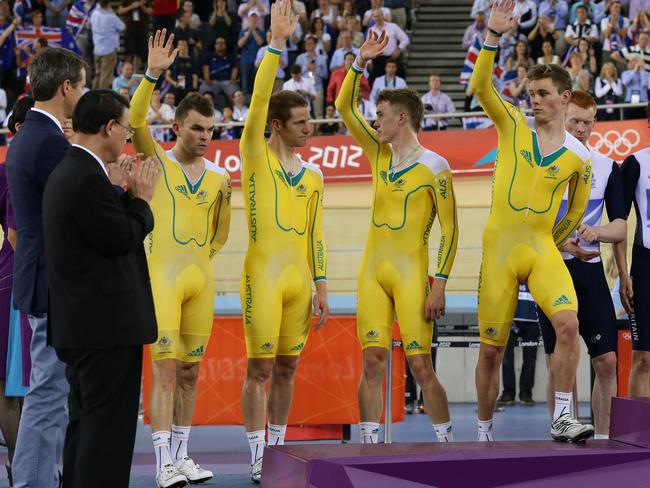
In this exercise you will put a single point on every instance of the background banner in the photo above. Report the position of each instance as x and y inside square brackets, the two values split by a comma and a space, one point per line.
[469, 152]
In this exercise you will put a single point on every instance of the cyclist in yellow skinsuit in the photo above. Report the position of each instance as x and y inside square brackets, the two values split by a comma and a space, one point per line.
[191, 208]
[286, 248]
[411, 185]
[536, 160]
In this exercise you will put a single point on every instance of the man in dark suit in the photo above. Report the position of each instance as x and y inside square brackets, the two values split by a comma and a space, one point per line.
[57, 77]
[101, 307]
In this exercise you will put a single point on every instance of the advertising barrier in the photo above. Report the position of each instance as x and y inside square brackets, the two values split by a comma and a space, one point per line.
[469, 152]
[326, 380]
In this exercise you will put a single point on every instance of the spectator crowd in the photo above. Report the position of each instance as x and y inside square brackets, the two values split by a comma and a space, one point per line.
[602, 44]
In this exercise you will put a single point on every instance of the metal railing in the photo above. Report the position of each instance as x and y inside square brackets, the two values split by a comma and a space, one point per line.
[453, 115]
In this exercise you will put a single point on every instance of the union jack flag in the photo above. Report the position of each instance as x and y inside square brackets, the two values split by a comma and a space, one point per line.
[78, 17]
[56, 37]
[470, 61]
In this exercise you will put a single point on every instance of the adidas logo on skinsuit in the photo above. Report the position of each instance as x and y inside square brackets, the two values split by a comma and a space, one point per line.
[563, 300]
[196, 353]
[413, 345]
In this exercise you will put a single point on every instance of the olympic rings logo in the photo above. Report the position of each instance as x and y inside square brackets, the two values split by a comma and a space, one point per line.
[613, 143]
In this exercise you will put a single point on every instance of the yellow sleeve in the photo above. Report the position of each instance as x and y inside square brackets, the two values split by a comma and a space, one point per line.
[348, 108]
[317, 251]
[579, 190]
[140, 102]
[500, 112]
[252, 140]
[448, 217]
[221, 218]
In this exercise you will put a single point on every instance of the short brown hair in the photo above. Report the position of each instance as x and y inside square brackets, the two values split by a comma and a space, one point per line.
[50, 69]
[583, 100]
[558, 75]
[406, 99]
[196, 102]
[281, 104]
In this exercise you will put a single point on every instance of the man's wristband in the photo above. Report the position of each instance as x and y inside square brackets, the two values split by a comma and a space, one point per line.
[492, 31]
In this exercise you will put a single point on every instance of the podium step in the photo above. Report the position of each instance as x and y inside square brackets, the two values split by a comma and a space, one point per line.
[538, 464]
[630, 421]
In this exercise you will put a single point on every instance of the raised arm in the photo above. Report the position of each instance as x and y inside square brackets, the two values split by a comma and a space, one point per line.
[283, 23]
[347, 101]
[221, 219]
[161, 57]
[579, 190]
[497, 109]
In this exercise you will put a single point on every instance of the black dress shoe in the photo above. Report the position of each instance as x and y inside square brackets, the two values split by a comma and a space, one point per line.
[526, 399]
[506, 398]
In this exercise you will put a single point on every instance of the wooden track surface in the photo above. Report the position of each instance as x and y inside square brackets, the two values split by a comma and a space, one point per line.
[346, 218]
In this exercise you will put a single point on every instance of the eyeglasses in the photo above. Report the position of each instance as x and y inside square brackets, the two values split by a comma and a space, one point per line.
[127, 130]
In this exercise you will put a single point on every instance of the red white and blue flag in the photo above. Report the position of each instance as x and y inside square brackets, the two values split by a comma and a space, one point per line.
[56, 37]
[470, 62]
[78, 17]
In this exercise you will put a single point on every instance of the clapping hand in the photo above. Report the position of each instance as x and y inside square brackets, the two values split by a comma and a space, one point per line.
[118, 171]
[142, 180]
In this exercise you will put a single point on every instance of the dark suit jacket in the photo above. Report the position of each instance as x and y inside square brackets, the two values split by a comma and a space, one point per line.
[100, 294]
[34, 152]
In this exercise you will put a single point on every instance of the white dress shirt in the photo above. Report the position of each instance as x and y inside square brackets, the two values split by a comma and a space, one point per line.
[382, 83]
[101, 163]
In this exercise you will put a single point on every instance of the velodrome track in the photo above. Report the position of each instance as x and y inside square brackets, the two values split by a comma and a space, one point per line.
[346, 218]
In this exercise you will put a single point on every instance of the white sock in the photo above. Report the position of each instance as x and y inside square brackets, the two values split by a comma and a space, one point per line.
[180, 437]
[443, 431]
[276, 434]
[562, 404]
[369, 432]
[601, 436]
[161, 447]
[485, 431]
[256, 443]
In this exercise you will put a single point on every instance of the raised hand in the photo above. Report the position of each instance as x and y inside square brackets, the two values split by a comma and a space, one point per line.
[283, 23]
[373, 46]
[501, 19]
[161, 53]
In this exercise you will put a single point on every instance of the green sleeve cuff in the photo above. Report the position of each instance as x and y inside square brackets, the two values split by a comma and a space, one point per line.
[273, 50]
[150, 79]
[487, 47]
